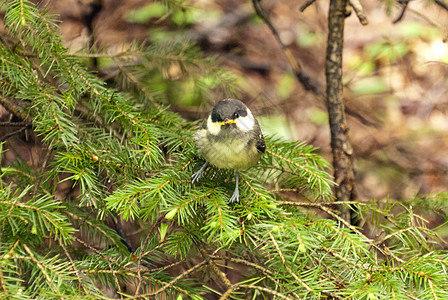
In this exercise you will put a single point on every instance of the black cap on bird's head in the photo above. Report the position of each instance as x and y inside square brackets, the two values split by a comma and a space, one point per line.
[228, 110]
[229, 114]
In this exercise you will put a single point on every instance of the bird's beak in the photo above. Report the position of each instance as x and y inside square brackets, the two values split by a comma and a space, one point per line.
[227, 122]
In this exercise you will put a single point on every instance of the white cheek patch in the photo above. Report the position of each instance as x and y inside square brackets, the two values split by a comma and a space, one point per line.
[246, 123]
[213, 128]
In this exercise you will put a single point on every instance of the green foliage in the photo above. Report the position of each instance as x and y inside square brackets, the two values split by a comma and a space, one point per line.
[369, 86]
[133, 223]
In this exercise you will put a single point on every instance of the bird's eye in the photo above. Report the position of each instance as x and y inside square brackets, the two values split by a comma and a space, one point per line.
[236, 115]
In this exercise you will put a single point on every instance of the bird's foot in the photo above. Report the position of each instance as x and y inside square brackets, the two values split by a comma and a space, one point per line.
[196, 176]
[236, 192]
[235, 196]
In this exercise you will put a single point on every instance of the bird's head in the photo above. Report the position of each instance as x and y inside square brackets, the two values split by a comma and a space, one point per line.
[230, 114]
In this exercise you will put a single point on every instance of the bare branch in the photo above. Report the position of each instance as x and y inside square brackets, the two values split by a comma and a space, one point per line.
[359, 11]
[404, 6]
[307, 83]
[442, 4]
[306, 5]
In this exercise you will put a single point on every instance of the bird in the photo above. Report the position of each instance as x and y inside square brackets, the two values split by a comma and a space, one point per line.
[230, 138]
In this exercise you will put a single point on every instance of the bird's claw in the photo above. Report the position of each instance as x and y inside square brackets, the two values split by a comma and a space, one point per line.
[196, 176]
[235, 196]
[236, 192]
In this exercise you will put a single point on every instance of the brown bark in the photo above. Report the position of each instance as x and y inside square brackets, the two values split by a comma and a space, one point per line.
[341, 148]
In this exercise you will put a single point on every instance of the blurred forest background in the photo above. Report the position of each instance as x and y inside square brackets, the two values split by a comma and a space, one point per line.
[395, 74]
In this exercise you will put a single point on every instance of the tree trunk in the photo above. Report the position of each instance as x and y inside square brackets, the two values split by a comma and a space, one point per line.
[341, 148]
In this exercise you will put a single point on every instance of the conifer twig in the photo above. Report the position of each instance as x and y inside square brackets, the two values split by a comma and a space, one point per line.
[263, 289]
[140, 256]
[279, 251]
[41, 267]
[215, 268]
[104, 257]
[75, 269]
[137, 82]
[299, 166]
[265, 271]
[2, 278]
[340, 257]
[170, 284]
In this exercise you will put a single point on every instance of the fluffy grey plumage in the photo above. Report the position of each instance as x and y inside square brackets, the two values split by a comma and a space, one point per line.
[230, 138]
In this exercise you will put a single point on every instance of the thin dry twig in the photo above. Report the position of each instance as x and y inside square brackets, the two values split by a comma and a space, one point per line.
[12, 133]
[442, 4]
[215, 268]
[265, 271]
[227, 293]
[359, 11]
[307, 83]
[12, 107]
[306, 5]
[404, 6]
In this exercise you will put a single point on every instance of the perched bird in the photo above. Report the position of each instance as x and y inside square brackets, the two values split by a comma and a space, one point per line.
[230, 138]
